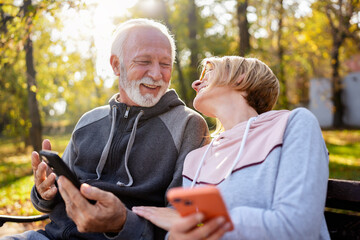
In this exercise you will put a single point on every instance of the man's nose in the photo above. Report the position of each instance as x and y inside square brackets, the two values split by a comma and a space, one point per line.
[155, 72]
[195, 85]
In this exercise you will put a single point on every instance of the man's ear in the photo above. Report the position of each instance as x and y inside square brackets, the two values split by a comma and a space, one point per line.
[115, 64]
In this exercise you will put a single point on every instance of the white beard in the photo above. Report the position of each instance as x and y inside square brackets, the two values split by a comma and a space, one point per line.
[132, 89]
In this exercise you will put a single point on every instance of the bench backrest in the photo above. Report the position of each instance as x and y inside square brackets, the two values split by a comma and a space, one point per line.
[342, 210]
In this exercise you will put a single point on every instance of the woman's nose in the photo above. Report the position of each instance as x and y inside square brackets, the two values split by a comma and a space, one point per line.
[195, 85]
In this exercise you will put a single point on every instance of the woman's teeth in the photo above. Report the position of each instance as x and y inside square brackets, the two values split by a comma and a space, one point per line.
[202, 88]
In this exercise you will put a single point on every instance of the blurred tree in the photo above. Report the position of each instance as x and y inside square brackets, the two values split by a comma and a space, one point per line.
[243, 25]
[193, 44]
[165, 16]
[340, 14]
[283, 100]
[62, 76]
[36, 128]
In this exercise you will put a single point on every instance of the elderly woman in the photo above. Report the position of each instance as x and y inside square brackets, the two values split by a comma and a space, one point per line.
[271, 167]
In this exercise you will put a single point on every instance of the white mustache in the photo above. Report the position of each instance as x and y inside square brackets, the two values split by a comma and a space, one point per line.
[150, 81]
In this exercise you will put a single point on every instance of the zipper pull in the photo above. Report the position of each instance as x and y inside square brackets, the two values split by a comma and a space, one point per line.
[126, 115]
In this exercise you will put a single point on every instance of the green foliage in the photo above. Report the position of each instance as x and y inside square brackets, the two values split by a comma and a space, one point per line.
[68, 77]
[63, 76]
[344, 149]
[16, 179]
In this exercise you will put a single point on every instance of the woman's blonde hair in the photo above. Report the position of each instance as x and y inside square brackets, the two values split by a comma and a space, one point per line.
[250, 75]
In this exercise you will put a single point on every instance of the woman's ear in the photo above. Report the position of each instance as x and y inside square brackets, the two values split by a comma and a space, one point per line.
[240, 78]
[115, 64]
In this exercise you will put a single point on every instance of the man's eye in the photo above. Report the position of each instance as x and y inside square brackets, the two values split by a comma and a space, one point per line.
[165, 64]
[143, 62]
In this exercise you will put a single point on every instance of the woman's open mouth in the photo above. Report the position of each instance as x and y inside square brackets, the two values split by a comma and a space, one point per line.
[201, 88]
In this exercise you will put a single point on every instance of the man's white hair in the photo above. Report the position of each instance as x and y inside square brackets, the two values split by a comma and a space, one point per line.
[125, 28]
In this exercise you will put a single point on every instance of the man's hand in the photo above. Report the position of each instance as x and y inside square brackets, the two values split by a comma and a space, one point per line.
[107, 215]
[43, 176]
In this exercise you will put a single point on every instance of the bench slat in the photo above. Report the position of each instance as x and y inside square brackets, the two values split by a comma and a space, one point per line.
[342, 226]
[343, 194]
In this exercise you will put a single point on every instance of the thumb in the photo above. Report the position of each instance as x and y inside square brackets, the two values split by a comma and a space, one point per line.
[94, 193]
[46, 145]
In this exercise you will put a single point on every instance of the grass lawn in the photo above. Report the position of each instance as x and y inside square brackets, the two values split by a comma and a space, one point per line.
[16, 178]
[344, 149]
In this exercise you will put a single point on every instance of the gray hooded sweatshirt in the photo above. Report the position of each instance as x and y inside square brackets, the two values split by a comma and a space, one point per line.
[137, 153]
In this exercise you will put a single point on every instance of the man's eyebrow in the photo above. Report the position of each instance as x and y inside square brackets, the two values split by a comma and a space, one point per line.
[146, 56]
[142, 56]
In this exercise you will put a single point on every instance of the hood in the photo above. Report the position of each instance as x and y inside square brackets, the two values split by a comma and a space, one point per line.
[168, 101]
[264, 134]
[134, 115]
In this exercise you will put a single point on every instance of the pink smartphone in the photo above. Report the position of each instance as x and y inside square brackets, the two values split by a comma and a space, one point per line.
[207, 200]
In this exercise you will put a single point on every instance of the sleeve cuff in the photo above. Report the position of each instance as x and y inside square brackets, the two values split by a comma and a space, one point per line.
[133, 228]
[40, 204]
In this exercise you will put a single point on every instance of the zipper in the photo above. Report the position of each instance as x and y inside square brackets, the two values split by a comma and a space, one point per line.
[126, 115]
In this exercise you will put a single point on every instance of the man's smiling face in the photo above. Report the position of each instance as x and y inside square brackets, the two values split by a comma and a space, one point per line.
[146, 71]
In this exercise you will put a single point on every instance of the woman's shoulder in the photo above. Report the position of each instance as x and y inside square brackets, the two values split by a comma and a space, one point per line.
[302, 121]
[302, 115]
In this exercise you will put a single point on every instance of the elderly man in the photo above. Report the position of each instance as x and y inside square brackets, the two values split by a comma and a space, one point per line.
[129, 153]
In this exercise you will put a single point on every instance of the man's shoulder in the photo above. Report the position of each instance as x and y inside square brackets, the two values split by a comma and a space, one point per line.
[181, 113]
[92, 116]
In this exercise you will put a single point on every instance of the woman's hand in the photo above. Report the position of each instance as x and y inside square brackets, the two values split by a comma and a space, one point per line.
[160, 216]
[187, 228]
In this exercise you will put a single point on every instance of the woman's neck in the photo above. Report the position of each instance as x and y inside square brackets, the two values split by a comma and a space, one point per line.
[235, 110]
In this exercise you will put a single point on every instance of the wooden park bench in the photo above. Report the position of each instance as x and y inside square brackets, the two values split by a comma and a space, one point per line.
[342, 211]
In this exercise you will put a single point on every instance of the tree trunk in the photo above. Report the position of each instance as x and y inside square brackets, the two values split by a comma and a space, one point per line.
[342, 15]
[336, 84]
[181, 79]
[283, 100]
[193, 46]
[243, 26]
[36, 128]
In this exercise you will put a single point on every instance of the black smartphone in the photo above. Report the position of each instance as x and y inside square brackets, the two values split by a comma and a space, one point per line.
[59, 167]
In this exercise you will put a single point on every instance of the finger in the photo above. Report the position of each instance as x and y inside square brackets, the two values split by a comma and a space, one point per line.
[46, 187]
[96, 194]
[48, 182]
[208, 228]
[40, 173]
[162, 217]
[220, 232]
[71, 194]
[187, 223]
[35, 161]
[145, 212]
[46, 145]
[49, 193]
